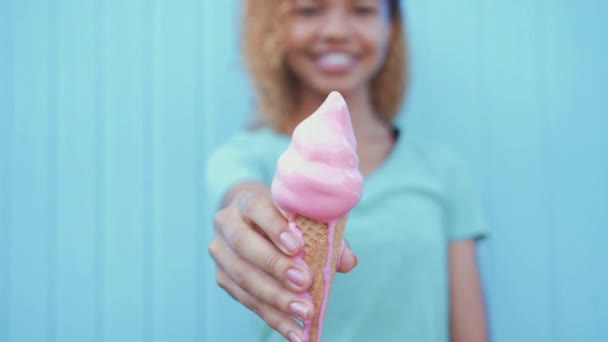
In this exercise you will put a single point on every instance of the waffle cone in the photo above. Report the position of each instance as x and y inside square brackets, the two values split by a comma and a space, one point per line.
[315, 235]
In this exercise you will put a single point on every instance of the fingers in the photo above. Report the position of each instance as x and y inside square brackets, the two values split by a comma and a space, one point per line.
[276, 319]
[347, 260]
[260, 209]
[250, 246]
[259, 284]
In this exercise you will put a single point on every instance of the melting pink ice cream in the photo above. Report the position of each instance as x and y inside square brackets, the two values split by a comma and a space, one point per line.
[318, 177]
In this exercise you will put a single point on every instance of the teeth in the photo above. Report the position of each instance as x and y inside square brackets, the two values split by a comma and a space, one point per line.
[336, 58]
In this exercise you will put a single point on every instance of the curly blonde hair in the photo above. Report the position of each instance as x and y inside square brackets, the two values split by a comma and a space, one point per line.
[263, 55]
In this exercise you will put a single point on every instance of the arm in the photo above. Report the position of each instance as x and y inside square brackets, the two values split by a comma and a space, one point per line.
[467, 311]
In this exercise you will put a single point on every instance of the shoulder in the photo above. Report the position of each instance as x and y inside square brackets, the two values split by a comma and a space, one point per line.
[251, 152]
[251, 138]
[249, 144]
[248, 155]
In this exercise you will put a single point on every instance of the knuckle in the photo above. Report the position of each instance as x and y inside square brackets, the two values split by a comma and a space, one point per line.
[277, 224]
[244, 201]
[218, 218]
[255, 307]
[274, 263]
[242, 280]
[275, 323]
[279, 324]
[281, 301]
[252, 305]
[236, 239]
[224, 283]
[249, 202]
[220, 279]
[212, 248]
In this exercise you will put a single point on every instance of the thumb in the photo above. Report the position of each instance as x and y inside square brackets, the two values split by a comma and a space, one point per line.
[347, 260]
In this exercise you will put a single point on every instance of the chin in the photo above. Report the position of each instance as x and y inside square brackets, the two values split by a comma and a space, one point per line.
[345, 91]
[344, 87]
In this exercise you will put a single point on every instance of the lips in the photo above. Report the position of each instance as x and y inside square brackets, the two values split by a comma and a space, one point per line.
[335, 62]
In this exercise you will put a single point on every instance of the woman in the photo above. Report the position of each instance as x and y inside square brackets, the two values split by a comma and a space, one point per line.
[414, 230]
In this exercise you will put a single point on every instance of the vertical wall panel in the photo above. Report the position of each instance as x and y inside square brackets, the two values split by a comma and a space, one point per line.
[576, 82]
[517, 211]
[124, 181]
[53, 69]
[149, 175]
[6, 125]
[209, 122]
[228, 106]
[175, 163]
[99, 172]
[31, 217]
[203, 130]
[76, 174]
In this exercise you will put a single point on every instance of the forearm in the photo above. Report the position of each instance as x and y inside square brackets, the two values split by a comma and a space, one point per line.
[467, 310]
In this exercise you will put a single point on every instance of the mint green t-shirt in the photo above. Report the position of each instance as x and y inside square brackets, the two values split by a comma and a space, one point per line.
[412, 206]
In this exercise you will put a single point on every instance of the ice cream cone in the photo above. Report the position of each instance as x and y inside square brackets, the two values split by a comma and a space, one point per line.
[316, 183]
[317, 238]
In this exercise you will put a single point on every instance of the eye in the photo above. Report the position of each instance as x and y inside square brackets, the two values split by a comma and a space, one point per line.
[365, 9]
[306, 8]
[308, 11]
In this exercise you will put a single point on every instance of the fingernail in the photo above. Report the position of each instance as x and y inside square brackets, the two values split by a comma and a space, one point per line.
[296, 276]
[300, 310]
[289, 241]
[356, 259]
[293, 337]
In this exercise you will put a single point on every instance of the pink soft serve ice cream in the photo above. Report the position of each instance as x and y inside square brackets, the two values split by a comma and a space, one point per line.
[318, 175]
[318, 178]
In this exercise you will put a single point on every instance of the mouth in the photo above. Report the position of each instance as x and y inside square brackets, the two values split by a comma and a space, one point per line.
[335, 62]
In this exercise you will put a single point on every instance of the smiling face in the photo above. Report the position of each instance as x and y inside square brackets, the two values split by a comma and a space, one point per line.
[336, 44]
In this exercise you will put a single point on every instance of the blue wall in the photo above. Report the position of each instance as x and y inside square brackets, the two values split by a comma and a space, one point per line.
[108, 109]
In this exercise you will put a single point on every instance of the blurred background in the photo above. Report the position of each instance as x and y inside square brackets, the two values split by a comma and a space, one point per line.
[109, 109]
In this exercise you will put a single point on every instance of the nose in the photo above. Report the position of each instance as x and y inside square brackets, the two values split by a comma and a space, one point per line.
[336, 25]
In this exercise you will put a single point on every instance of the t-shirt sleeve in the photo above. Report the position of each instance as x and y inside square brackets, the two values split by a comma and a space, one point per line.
[232, 163]
[464, 214]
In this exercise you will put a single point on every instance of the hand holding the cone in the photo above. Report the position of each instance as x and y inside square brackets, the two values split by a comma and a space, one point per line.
[253, 250]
